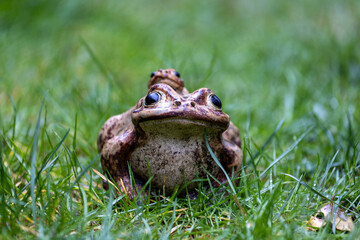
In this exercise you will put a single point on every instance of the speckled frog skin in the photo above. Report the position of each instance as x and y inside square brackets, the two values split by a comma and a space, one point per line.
[163, 136]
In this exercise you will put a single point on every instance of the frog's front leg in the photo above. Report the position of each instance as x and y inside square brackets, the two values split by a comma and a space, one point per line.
[114, 160]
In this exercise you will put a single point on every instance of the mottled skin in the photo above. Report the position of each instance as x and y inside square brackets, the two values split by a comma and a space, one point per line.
[167, 138]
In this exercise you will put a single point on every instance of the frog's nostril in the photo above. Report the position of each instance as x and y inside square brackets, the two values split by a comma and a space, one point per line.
[177, 103]
[193, 104]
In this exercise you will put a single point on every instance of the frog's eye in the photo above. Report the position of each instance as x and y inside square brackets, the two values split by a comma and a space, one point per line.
[215, 100]
[152, 98]
[177, 74]
[152, 74]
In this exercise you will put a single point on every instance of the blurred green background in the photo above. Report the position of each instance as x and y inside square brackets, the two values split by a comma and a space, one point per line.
[267, 60]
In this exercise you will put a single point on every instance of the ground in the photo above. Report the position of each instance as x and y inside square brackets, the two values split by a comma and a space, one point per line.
[288, 75]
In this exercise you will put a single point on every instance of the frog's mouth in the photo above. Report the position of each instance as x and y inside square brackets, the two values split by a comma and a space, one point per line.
[177, 121]
[178, 124]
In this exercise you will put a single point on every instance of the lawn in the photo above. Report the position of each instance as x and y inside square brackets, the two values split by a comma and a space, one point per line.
[288, 74]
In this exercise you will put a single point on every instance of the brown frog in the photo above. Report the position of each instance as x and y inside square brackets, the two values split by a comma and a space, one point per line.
[163, 137]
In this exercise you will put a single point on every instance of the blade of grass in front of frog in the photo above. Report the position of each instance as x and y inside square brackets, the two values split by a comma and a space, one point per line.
[219, 164]
[226, 175]
[286, 152]
[33, 164]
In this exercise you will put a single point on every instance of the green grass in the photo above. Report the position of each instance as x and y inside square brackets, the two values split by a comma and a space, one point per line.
[288, 74]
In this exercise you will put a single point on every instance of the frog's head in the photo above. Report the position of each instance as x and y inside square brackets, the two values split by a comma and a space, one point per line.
[167, 76]
[163, 107]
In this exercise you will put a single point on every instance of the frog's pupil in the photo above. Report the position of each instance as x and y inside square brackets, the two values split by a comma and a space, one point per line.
[215, 100]
[177, 74]
[152, 98]
[152, 74]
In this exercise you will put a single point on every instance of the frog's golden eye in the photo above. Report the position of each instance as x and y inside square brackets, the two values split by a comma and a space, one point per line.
[152, 98]
[215, 100]
[177, 74]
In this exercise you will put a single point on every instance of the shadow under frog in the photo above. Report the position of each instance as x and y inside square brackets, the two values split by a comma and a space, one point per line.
[163, 136]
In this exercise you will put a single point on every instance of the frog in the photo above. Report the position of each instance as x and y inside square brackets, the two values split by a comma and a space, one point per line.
[163, 139]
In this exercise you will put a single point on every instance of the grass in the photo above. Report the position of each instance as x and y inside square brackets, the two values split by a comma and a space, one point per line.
[287, 73]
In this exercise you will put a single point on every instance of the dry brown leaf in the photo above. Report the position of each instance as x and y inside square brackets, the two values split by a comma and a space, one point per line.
[342, 222]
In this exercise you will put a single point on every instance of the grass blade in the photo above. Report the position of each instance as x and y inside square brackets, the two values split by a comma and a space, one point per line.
[325, 175]
[238, 204]
[33, 164]
[219, 164]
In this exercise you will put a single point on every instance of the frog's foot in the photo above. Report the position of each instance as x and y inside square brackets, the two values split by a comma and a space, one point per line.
[131, 187]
